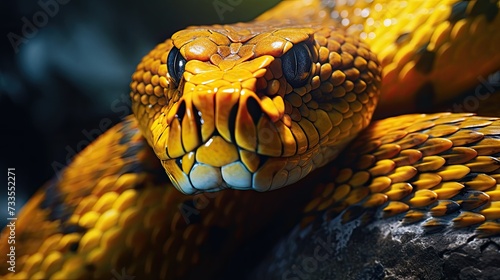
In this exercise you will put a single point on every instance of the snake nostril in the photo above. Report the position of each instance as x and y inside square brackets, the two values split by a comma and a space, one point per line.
[254, 109]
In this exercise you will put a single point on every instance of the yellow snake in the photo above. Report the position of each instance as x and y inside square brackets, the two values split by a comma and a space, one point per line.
[261, 105]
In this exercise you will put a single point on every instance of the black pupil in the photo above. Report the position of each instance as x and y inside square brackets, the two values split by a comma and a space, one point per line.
[176, 64]
[296, 64]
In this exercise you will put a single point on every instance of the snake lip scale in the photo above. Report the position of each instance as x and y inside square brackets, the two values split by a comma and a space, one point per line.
[271, 133]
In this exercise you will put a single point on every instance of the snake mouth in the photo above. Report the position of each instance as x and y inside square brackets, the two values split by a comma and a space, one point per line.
[219, 164]
[216, 165]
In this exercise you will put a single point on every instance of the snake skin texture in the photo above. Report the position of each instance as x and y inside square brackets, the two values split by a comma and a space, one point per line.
[422, 45]
[282, 105]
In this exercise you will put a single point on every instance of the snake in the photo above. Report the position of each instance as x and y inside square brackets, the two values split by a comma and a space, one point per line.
[244, 131]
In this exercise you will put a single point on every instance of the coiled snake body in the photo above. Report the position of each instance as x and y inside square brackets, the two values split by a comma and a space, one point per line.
[267, 104]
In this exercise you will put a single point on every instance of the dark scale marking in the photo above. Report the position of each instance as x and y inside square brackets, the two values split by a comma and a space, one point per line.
[254, 110]
[58, 209]
[469, 177]
[424, 98]
[461, 10]
[262, 160]
[127, 129]
[60, 212]
[473, 199]
[437, 226]
[54, 199]
[425, 59]
[452, 207]
[133, 167]
[126, 138]
[198, 119]
[495, 158]
[352, 213]
[484, 7]
[369, 215]
[178, 161]
[52, 195]
[403, 38]
[159, 176]
[127, 132]
[198, 116]
[232, 121]
[73, 247]
[319, 96]
[140, 186]
[54, 202]
[181, 111]
[458, 11]
[132, 150]
[216, 133]
[72, 228]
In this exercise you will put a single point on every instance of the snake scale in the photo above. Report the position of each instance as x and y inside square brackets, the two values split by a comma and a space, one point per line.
[267, 104]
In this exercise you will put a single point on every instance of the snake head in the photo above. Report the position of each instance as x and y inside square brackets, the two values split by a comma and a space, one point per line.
[253, 106]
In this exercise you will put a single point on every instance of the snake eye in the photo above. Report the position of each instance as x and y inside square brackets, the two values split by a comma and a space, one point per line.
[176, 64]
[296, 64]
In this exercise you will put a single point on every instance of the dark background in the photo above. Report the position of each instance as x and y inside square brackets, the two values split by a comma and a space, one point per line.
[69, 79]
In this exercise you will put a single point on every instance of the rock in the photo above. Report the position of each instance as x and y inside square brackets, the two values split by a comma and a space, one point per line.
[385, 249]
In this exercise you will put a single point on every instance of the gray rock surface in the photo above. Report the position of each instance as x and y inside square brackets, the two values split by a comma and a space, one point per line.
[383, 250]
